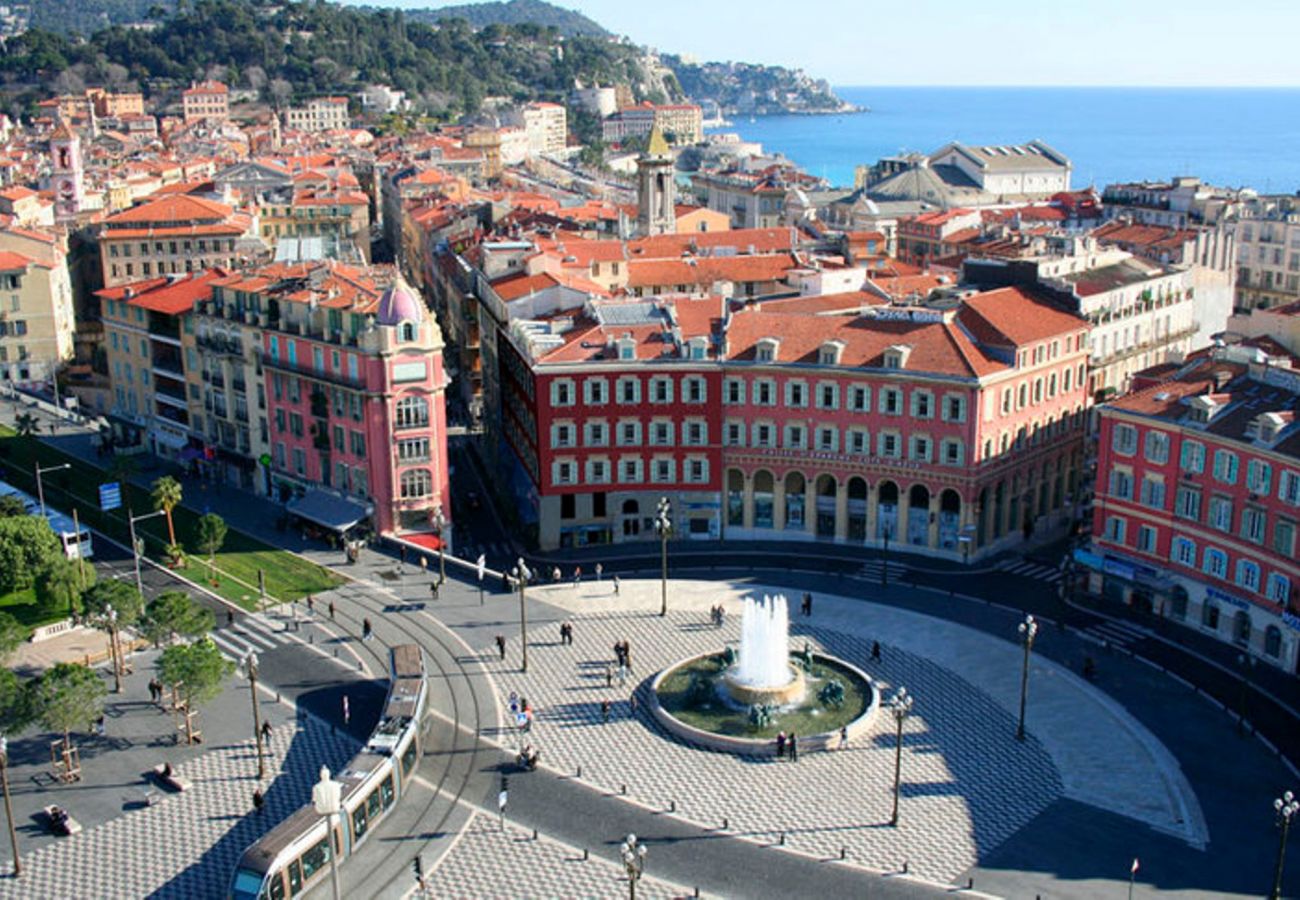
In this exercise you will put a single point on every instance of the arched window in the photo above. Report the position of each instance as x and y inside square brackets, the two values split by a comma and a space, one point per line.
[416, 483]
[406, 331]
[412, 412]
[1273, 641]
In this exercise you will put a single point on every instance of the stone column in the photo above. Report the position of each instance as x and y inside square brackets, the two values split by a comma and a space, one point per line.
[748, 522]
[932, 534]
[778, 503]
[871, 512]
[842, 510]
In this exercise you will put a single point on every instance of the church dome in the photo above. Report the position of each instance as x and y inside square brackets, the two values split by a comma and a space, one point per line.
[399, 304]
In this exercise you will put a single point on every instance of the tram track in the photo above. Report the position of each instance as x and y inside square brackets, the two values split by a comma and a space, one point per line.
[451, 784]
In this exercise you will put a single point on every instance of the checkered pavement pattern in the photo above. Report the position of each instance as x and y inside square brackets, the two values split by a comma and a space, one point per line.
[967, 784]
[491, 864]
[187, 845]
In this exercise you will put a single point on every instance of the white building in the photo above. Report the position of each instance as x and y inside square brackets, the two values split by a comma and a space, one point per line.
[1019, 170]
[546, 124]
[1268, 251]
[601, 101]
[320, 114]
[381, 99]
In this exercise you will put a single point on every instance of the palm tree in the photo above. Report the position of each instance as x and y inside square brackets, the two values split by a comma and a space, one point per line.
[167, 496]
[27, 424]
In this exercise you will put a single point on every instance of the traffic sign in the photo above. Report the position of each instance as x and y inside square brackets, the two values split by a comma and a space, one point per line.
[481, 565]
[110, 496]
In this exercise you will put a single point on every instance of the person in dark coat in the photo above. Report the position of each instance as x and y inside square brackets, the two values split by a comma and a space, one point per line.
[780, 745]
[794, 747]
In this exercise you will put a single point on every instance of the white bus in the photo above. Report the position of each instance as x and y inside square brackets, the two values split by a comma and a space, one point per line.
[76, 542]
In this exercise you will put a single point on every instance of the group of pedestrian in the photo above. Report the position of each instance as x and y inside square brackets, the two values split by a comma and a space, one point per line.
[805, 608]
[787, 745]
[566, 633]
[623, 653]
[717, 615]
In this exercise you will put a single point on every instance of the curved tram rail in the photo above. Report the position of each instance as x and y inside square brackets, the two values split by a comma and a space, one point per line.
[295, 855]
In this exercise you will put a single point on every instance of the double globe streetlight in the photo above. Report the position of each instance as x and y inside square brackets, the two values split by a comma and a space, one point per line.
[1028, 631]
[900, 707]
[633, 854]
[664, 528]
[1284, 809]
[521, 573]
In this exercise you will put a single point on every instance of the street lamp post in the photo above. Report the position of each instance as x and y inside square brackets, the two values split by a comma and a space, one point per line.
[1245, 663]
[884, 566]
[633, 853]
[521, 575]
[327, 797]
[250, 670]
[110, 616]
[40, 488]
[136, 544]
[439, 526]
[900, 708]
[664, 526]
[1284, 808]
[9, 810]
[1028, 631]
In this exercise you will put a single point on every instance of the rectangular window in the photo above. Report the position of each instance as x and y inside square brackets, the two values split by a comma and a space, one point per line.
[597, 434]
[1258, 477]
[595, 391]
[1121, 484]
[764, 393]
[661, 434]
[734, 392]
[562, 434]
[1147, 539]
[357, 441]
[1215, 563]
[1124, 439]
[1288, 487]
[888, 444]
[661, 390]
[796, 394]
[828, 396]
[859, 398]
[859, 441]
[954, 409]
[1279, 588]
[1184, 552]
[1254, 524]
[794, 437]
[735, 434]
[562, 392]
[1247, 575]
[891, 401]
[694, 389]
[1115, 529]
[1187, 505]
[629, 390]
[922, 404]
[828, 439]
[1225, 466]
[1284, 536]
[1221, 513]
[1157, 447]
[1153, 492]
[629, 434]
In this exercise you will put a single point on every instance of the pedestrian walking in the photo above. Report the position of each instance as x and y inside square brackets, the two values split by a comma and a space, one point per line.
[600, 570]
[616, 583]
[622, 676]
[631, 705]
[347, 710]
[259, 800]
[604, 711]
[433, 590]
[577, 575]
[311, 605]
[501, 645]
[807, 603]
[627, 656]
[366, 631]
[844, 737]
[875, 651]
[564, 632]
[331, 610]
[780, 745]
[230, 617]
[556, 575]
[609, 675]
[793, 741]
[266, 731]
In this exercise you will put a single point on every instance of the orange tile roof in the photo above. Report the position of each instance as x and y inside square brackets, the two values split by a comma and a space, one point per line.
[708, 269]
[17, 192]
[762, 240]
[1014, 316]
[173, 208]
[11, 262]
[172, 297]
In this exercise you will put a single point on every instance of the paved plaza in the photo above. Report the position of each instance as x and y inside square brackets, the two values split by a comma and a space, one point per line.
[968, 785]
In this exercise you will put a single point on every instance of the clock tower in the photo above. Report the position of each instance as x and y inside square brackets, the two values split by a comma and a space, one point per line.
[65, 172]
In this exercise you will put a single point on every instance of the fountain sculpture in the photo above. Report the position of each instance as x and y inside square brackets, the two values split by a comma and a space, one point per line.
[764, 674]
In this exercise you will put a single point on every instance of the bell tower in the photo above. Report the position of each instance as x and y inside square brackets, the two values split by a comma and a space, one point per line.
[65, 172]
[656, 188]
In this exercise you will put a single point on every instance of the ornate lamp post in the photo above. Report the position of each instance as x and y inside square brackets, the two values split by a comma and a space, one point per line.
[664, 527]
[40, 488]
[633, 853]
[137, 546]
[884, 566]
[9, 810]
[439, 523]
[900, 707]
[1028, 631]
[1284, 808]
[250, 672]
[327, 797]
[110, 616]
[521, 574]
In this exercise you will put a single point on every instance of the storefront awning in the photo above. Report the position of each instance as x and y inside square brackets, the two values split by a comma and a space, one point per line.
[329, 510]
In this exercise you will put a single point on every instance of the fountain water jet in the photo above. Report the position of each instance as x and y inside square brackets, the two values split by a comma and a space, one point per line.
[764, 674]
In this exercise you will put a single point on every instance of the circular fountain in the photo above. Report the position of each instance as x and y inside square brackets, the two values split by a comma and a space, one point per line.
[738, 702]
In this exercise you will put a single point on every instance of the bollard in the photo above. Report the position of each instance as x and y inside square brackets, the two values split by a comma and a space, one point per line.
[725, 823]
[781, 841]
[970, 884]
[844, 853]
[904, 867]
[277, 696]
[672, 806]
[336, 652]
[534, 834]
[579, 775]
[697, 891]
[584, 854]
[622, 789]
[360, 666]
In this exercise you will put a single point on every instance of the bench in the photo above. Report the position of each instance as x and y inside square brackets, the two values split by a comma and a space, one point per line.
[173, 781]
[67, 827]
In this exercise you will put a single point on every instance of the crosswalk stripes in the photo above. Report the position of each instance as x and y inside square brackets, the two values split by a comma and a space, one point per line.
[251, 632]
[873, 569]
[1027, 569]
[1119, 634]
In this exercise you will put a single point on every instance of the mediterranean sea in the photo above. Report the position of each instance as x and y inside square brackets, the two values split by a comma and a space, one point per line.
[1232, 137]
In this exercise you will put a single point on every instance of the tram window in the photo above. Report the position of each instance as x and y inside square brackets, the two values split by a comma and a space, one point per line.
[295, 878]
[277, 886]
[359, 822]
[408, 758]
[315, 858]
[373, 804]
[386, 791]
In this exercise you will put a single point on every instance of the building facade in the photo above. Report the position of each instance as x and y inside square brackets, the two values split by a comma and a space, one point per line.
[206, 101]
[1268, 252]
[36, 317]
[173, 235]
[319, 114]
[1198, 501]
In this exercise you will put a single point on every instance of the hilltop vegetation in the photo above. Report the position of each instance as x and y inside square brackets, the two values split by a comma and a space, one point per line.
[567, 22]
[88, 16]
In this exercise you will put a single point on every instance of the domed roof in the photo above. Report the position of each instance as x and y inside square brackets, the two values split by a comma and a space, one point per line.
[399, 303]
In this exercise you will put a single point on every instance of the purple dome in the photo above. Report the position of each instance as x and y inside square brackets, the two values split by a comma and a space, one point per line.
[399, 304]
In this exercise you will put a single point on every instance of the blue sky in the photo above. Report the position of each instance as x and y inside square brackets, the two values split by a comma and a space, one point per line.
[1007, 42]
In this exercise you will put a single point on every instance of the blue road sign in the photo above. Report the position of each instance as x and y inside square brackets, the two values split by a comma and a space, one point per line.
[110, 496]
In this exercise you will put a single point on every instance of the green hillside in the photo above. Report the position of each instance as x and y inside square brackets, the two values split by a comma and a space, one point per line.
[515, 12]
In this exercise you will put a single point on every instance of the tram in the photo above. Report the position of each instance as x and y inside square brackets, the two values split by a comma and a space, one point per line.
[295, 855]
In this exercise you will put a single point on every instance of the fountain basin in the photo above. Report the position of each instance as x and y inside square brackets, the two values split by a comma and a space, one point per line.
[771, 695]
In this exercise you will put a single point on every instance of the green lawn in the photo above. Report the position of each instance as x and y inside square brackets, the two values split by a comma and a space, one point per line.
[22, 606]
[288, 577]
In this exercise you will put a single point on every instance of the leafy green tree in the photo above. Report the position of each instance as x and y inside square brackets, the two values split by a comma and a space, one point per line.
[172, 614]
[167, 496]
[27, 424]
[12, 634]
[209, 535]
[195, 671]
[15, 702]
[68, 697]
[61, 585]
[121, 595]
[12, 506]
[27, 548]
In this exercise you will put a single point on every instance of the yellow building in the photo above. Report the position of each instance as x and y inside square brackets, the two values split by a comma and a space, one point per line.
[36, 317]
[206, 100]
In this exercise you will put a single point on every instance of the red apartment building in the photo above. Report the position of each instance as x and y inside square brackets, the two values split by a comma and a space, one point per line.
[1198, 499]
